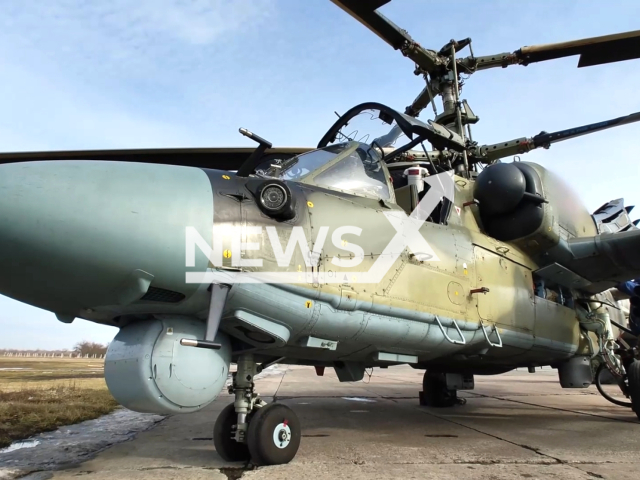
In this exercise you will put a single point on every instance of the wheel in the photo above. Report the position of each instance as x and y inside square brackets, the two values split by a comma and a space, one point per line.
[273, 436]
[633, 377]
[435, 392]
[223, 432]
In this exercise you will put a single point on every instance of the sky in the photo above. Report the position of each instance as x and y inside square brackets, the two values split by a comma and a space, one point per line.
[177, 73]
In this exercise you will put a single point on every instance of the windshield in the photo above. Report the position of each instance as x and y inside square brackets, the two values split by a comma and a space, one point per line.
[302, 165]
[360, 172]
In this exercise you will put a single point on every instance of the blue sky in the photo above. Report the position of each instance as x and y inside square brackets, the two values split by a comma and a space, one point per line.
[176, 73]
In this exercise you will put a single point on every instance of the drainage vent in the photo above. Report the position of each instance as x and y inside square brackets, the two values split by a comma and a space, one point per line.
[155, 294]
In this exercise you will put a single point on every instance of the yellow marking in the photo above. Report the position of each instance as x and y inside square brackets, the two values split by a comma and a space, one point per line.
[310, 204]
[299, 268]
[344, 243]
[456, 294]
[308, 304]
[226, 254]
[226, 177]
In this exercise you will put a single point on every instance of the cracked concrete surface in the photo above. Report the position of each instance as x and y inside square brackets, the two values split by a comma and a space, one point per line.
[516, 425]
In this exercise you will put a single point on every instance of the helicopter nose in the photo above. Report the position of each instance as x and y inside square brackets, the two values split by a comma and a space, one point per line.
[72, 233]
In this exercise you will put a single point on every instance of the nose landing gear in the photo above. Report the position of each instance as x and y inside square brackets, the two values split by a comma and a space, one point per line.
[251, 429]
[224, 433]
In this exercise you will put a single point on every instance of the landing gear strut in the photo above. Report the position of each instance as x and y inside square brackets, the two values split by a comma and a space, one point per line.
[251, 429]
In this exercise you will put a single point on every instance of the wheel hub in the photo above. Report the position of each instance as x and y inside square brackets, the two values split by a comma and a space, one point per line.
[282, 435]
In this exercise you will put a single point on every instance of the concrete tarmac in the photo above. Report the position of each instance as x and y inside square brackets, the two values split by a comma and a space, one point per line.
[516, 425]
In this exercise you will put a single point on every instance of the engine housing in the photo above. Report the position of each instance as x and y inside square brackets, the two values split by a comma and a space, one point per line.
[148, 370]
[529, 205]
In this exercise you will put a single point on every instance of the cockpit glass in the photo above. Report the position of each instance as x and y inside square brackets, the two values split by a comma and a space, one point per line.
[302, 165]
[360, 172]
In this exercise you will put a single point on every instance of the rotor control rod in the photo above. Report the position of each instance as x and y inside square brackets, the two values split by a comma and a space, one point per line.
[456, 45]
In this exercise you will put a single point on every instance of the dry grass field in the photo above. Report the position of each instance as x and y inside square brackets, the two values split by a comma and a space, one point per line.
[42, 394]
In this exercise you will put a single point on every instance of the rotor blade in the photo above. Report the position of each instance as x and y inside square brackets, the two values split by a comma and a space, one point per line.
[593, 51]
[365, 12]
[545, 139]
[488, 153]
[214, 158]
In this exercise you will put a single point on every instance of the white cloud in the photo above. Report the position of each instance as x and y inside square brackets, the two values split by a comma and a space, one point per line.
[117, 74]
[197, 21]
[114, 40]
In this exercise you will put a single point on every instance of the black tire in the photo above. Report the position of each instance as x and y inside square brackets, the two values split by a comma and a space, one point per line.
[267, 422]
[633, 377]
[435, 391]
[226, 446]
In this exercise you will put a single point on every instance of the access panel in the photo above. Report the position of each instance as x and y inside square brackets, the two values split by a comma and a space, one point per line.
[510, 299]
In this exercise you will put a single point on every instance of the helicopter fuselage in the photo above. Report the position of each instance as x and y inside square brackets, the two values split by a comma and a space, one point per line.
[105, 241]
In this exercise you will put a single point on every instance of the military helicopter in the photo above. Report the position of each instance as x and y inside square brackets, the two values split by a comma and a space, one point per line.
[369, 250]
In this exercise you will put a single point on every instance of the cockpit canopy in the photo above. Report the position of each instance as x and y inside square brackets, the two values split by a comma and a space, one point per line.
[353, 167]
[352, 156]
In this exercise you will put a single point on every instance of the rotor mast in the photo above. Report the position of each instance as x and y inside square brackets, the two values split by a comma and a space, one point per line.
[445, 82]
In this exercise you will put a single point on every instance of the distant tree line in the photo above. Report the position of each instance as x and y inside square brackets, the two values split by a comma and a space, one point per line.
[64, 351]
[90, 348]
[81, 349]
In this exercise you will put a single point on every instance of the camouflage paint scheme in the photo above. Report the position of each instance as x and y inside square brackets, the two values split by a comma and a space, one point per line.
[65, 249]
